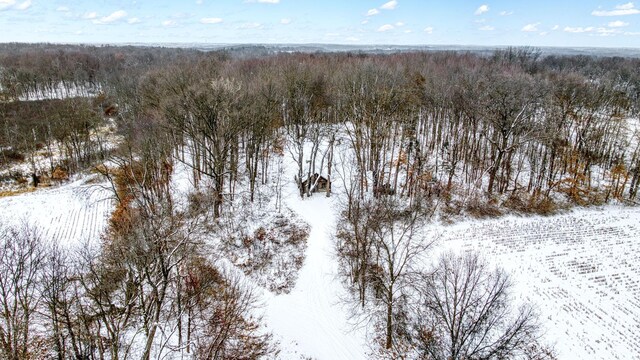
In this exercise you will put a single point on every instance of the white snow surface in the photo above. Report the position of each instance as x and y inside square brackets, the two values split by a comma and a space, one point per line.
[62, 91]
[310, 320]
[580, 270]
[69, 214]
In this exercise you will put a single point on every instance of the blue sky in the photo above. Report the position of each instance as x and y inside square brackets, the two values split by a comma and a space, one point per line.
[600, 23]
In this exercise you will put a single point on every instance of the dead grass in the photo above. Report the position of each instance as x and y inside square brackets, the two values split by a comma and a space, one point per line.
[7, 193]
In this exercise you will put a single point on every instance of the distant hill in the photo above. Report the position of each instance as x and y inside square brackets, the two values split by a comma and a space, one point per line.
[380, 49]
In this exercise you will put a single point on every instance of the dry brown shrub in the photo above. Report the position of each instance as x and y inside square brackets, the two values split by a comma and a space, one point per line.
[478, 208]
[11, 156]
[59, 174]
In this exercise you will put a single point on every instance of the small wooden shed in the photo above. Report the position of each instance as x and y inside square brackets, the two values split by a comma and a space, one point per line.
[318, 183]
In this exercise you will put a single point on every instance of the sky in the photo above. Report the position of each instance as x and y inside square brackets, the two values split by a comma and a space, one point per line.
[574, 23]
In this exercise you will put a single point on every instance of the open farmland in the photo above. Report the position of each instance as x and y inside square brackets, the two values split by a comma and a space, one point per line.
[68, 214]
[581, 270]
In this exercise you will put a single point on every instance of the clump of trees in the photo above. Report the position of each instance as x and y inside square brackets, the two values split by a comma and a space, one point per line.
[149, 288]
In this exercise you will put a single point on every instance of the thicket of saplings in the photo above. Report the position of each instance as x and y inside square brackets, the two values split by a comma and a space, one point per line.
[416, 133]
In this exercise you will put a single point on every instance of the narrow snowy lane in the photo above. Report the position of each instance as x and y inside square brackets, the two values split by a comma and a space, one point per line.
[310, 320]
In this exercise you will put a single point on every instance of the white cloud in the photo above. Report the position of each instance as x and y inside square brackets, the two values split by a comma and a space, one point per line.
[23, 6]
[531, 27]
[555, 27]
[606, 32]
[389, 5]
[373, 12]
[63, 9]
[487, 28]
[90, 15]
[364, 22]
[386, 27]
[618, 23]
[620, 10]
[251, 25]
[428, 30]
[133, 20]
[5, 4]
[506, 13]
[285, 21]
[169, 23]
[579, 29]
[115, 16]
[352, 39]
[211, 20]
[600, 31]
[482, 9]
[12, 5]
[626, 6]
[181, 15]
[399, 24]
[199, 2]
[408, 31]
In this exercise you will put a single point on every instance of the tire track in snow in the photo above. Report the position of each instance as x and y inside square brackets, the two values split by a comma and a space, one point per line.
[310, 318]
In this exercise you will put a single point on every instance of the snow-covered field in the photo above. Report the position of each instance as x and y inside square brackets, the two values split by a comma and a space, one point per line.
[581, 270]
[69, 214]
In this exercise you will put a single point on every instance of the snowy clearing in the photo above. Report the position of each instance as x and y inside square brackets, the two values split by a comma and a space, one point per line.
[310, 321]
[69, 214]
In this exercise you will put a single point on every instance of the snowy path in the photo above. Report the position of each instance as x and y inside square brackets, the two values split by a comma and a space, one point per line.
[309, 321]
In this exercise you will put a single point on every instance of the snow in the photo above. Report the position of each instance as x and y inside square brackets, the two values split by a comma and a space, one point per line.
[69, 214]
[580, 270]
[62, 91]
[310, 320]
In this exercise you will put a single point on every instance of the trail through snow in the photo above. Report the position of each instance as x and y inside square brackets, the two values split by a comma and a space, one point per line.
[310, 320]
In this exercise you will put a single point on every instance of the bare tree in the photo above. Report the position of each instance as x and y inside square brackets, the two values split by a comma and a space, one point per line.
[466, 313]
[221, 309]
[397, 246]
[378, 245]
[21, 264]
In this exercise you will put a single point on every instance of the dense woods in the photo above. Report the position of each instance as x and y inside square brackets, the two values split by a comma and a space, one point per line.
[404, 138]
[513, 129]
